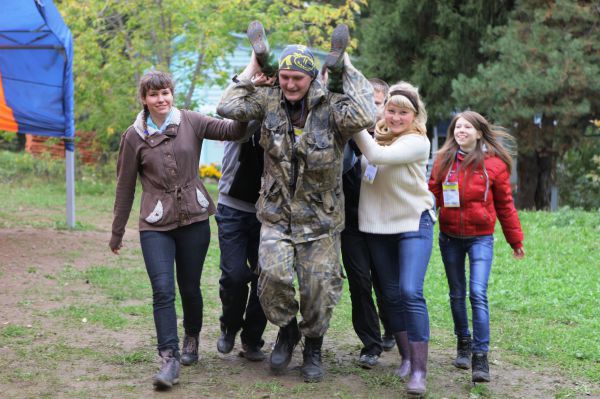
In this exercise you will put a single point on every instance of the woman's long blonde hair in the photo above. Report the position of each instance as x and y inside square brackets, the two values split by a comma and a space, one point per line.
[490, 144]
[403, 95]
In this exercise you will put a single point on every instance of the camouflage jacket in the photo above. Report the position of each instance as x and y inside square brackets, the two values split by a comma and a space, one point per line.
[301, 192]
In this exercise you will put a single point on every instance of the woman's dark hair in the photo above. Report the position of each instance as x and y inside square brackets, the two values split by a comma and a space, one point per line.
[491, 136]
[154, 80]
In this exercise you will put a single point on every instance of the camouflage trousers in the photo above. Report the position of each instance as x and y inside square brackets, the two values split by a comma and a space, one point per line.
[317, 265]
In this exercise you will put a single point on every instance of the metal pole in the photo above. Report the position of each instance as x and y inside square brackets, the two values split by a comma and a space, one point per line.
[70, 176]
[553, 199]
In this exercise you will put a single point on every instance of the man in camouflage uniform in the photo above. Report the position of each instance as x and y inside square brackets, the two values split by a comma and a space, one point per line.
[301, 206]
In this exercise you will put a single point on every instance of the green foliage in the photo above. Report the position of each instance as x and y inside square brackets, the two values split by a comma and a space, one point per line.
[309, 23]
[17, 166]
[427, 43]
[545, 61]
[117, 41]
[544, 64]
[579, 175]
[26, 168]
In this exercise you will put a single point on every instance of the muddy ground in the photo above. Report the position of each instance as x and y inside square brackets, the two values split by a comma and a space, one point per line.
[47, 352]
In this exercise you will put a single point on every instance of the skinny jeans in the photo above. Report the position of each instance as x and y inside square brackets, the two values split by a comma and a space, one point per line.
[185, 248]
[480, 250]
[401, 261]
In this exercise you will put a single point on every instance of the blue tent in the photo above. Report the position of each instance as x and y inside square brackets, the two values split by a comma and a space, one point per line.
[36, 76]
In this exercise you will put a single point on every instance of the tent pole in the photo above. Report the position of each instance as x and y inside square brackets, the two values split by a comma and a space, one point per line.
[70, 176]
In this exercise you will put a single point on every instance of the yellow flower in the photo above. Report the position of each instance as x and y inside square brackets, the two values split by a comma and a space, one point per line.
[210, 171]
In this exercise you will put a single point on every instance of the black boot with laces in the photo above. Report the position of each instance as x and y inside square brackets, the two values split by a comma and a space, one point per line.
[463, 353]
[312, 370]
[481, 368]
[287, 339]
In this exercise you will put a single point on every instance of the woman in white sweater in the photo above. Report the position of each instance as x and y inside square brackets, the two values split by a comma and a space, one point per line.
[396, 213]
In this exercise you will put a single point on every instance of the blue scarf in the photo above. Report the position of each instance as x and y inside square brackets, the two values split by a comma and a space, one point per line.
[152, 128]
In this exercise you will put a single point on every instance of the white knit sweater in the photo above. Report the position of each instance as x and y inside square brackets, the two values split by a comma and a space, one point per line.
[399, 194]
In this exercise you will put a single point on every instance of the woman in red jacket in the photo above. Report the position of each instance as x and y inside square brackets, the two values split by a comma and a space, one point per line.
[471, 184]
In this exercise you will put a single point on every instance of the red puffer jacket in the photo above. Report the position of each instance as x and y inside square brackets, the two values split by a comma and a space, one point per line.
[476, 215]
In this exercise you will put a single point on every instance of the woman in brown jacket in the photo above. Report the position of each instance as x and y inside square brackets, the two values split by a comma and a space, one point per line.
[163, 147]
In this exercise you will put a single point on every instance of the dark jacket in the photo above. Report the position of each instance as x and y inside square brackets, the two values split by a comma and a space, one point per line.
[241, 169]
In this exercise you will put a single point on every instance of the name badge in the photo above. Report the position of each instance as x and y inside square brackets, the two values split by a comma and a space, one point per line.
[451, 197]
[370, 173]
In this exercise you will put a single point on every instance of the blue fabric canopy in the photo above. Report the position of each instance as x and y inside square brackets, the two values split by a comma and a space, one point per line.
[36, 74]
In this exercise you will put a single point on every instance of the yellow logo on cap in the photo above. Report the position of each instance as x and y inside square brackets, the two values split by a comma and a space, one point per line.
[298, 60]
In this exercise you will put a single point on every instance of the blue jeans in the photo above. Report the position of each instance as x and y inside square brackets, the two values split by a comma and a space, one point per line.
[401, 261]
[481, 252]
[239, 235]
[186, 247]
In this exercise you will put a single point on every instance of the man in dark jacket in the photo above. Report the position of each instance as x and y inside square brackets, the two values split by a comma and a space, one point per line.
[239, 234]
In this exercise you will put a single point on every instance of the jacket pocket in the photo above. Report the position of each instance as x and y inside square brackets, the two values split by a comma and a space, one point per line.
[272, 138]
[268, 206]
[202, 200]
[319, 150]
[156, 214]
[198, 200]
[156, 209]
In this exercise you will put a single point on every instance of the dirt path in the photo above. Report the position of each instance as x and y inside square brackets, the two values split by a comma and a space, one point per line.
[45, 353]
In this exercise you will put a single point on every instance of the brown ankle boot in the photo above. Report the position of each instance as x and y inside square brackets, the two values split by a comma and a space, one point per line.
[189, 350]
[401, 338]
[417, 382]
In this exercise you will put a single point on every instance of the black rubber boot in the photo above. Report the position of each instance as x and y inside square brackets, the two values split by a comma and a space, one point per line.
[253, 352]
[226, 340]
[417, 383]
[388, 342]
[311, 369]
[334, 61]
[481, 368]
[287, 339]
[189, 352]
[169, 371]
[463, 353]
[258, 39]
[403, 370]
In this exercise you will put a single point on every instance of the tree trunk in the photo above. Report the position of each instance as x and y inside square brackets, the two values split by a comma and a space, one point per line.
[527, 170]
[536, 163]
[544, 185]
[197, 70]
[536, 171]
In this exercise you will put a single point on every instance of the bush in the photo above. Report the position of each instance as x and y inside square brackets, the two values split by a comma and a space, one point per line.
[579, 176]
[19, 166]
[25, 168]
[210, 171]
